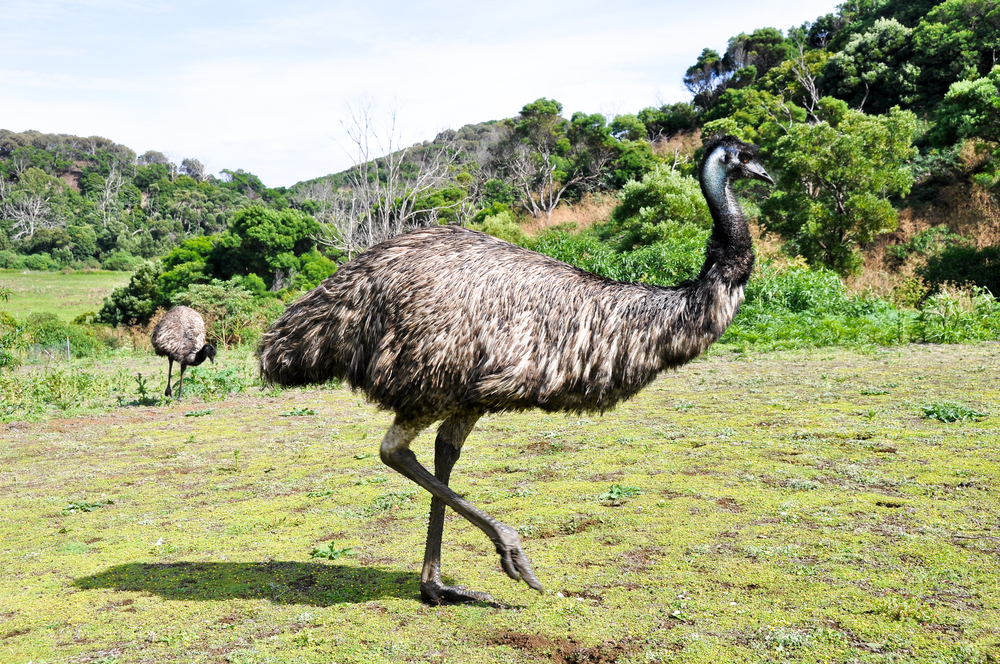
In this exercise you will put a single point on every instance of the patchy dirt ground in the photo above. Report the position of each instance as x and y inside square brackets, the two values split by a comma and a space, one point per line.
[784, 507]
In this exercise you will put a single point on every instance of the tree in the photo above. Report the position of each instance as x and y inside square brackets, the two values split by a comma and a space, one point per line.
[265, 242]
[388, 191]
[194, 169]
[30, 204]
[875, 68]
[542, 155]
[971, 109]
[835, 184]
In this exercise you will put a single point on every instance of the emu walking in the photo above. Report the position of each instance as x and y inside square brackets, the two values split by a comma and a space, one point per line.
[180, 335]
[447, 324]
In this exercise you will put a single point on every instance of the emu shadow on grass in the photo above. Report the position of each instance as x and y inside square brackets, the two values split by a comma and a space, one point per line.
[316, 584]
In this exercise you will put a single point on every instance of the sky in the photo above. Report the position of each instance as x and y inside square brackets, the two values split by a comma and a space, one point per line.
[270, 87]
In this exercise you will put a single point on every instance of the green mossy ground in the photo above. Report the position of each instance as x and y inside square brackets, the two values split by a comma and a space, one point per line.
[794, 506]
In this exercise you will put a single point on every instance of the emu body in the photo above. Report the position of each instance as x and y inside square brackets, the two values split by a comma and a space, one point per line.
[446, 324]
[180, 336]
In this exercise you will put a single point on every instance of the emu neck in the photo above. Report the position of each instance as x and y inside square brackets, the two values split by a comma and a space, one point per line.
[729, 247]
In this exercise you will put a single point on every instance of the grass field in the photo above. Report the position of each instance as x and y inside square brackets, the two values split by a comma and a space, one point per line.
[794, 506]
[66, 295]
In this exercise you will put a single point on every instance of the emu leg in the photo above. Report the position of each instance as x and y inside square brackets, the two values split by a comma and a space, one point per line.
[396, 454]
[180, 385]
[170, 368]
[447, 448]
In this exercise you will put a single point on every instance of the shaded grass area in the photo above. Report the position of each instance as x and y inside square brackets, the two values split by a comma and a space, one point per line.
[65, 295]
[793, 506]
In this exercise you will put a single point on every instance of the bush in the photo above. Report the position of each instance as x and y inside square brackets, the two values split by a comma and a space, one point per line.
[664, 206]
[120, 261]
[232, 314]
[965, 266]
[955, 316]
[41, 262]
[51, 332]
[136, 302]
[11, 261]
[503, 226]
[663, 263]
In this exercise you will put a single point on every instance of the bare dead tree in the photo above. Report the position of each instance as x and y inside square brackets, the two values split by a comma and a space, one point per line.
[26, 211]
[386, 186]
[805, 78]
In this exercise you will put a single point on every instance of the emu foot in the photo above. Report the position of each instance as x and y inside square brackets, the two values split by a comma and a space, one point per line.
[513, 559]
[434, 592]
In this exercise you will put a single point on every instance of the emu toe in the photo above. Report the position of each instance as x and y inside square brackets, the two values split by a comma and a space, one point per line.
[514, 561]
[434, 592]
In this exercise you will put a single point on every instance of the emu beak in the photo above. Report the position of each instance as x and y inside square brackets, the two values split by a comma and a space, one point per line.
[757, 172]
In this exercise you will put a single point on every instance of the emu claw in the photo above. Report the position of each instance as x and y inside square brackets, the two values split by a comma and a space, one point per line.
[514, 561]
[434, 592]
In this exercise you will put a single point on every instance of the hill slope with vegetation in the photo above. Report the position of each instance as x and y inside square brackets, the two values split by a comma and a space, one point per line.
[879, 123]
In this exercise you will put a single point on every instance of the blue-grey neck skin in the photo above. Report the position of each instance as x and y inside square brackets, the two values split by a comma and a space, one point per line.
[730, 246]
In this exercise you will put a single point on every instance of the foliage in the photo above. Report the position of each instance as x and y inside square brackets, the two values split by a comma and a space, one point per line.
[137, 301]
[503, 226]
[664, 205]
[836, 182]
[265, 242]
[233, 314]
[965, 265]
[952, 412]
[874, 68]
[51, 332]
[955, 316]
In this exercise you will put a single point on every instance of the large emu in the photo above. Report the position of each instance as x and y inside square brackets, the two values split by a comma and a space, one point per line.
[446, 324]
[180, 335]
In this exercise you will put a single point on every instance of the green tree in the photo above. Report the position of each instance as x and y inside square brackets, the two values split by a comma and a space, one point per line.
[265, 242]
[971, 109]
[874, 70]
[835, 184]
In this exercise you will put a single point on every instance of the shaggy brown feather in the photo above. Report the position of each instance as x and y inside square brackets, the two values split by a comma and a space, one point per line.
[446, 324]
[179, 335]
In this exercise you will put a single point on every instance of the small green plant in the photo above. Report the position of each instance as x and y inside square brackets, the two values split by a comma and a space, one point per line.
[143, 397]
[617, 495]
[330, 552]
[364, 455]
[951, 412]
[199, 413]
[389, 500]
[299, 412]
[81, 506]
[320, 494]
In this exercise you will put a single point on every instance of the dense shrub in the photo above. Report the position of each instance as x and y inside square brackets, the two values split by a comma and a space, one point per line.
[233, 314]
[137, 301]
[503, 226]
[11, 261]
[664, 206]
[965, 265]
[955, 316]
[41, 262]
[120, 261]
[51, 333]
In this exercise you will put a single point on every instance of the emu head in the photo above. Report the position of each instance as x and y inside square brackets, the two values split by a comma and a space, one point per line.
[727, 158]
[208, 350]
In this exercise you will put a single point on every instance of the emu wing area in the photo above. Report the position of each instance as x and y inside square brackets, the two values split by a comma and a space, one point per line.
[445, 318]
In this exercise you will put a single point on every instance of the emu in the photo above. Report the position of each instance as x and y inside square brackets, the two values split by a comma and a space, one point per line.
[447, 324]
[180, 335]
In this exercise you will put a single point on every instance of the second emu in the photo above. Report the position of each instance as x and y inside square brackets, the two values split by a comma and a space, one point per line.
[447, 324]
[180, 335]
